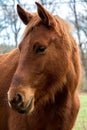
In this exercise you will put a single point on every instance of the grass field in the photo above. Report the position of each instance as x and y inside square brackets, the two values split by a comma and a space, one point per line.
[81, 123]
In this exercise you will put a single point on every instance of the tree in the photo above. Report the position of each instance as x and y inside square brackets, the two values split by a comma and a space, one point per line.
[10, 25]
[80, 23]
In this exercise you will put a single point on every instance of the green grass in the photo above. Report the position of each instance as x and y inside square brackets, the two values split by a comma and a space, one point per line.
[81, 123]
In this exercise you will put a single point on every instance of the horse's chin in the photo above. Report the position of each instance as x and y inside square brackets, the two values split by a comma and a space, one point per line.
[27, 109]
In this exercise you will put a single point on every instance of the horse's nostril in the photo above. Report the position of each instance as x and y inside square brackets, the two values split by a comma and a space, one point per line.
[17, 101]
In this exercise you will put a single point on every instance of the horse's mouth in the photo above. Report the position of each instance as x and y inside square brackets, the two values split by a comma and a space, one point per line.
[27, 108]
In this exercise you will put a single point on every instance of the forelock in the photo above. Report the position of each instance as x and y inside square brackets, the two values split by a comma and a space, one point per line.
[33, 22]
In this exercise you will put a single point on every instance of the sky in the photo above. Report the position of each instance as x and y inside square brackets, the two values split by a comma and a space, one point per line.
[61, 11]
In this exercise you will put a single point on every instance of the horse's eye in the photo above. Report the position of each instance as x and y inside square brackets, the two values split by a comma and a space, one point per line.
[39, 49]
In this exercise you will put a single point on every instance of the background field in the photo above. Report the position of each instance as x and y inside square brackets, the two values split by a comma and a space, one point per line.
[81, 123]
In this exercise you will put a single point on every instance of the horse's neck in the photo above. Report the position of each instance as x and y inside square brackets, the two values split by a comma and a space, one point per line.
[8, 64]
[45, 117]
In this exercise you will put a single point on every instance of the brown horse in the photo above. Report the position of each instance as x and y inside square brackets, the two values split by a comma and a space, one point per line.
[44, 85]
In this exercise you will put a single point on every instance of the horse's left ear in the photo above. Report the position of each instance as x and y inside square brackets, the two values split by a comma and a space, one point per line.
[45, 16]
[24, 15]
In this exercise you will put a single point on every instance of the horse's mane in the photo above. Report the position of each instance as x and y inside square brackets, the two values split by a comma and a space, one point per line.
[32, 23]
[64, 24]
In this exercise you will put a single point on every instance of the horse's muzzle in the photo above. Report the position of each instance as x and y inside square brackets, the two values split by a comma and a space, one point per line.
[20, 99]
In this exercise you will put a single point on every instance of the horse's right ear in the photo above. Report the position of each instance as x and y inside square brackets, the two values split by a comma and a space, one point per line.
[24, 15]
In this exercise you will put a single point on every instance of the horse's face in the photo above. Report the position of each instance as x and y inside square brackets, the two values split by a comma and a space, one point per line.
[42, 63]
